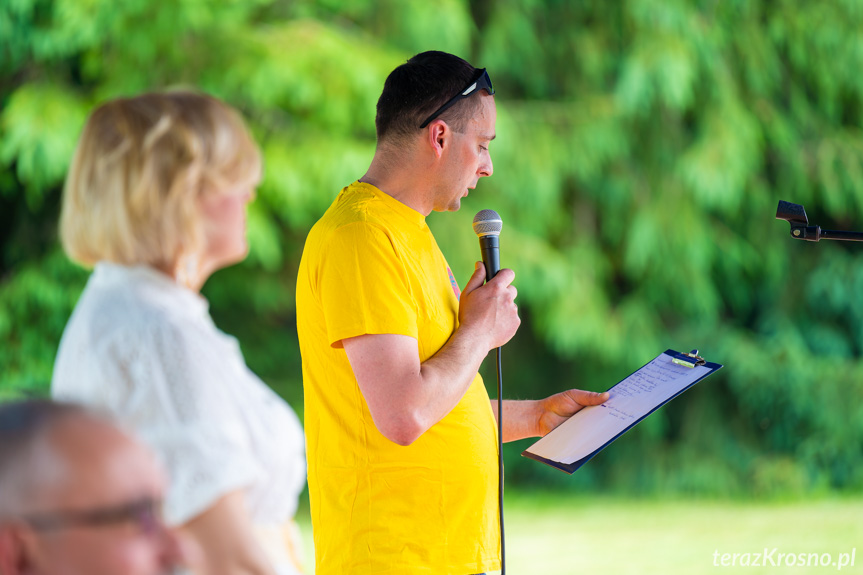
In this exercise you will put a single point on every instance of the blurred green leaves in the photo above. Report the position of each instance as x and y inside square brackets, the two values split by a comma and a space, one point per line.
[34, 307]
[642, 148]
[40, 124]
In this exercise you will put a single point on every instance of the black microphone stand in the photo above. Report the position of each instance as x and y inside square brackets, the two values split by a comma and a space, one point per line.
[795, 215]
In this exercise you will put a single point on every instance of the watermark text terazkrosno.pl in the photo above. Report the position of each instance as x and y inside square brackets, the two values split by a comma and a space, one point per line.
[773, 557]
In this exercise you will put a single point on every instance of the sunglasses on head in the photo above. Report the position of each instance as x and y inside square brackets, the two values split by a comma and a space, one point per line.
[481, 81]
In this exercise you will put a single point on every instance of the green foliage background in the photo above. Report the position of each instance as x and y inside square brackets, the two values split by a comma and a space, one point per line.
[642, 148]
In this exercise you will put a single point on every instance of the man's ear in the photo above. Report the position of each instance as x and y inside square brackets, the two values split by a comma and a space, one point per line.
[438, 133]
[15, 550]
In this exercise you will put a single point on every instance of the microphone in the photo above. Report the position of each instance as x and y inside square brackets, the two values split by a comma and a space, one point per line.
[487, 225]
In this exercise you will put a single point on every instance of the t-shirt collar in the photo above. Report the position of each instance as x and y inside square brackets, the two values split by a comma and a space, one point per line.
[401, 209]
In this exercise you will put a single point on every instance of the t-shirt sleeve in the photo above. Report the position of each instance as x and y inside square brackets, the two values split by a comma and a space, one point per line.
[178, 405]
[364, 286]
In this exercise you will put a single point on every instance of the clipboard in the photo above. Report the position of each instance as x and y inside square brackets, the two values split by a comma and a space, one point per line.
[593, 428]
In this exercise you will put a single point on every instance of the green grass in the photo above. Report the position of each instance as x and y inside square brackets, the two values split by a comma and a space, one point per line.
[611, 536]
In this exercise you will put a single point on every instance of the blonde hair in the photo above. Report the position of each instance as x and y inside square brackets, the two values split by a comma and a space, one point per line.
[131, 193]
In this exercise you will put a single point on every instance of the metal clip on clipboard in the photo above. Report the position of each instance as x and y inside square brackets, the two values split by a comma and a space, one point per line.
[690, 359]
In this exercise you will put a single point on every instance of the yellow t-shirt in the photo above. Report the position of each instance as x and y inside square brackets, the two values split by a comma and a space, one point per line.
[371, 265]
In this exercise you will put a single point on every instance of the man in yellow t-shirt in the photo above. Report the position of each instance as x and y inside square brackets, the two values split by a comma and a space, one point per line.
[400, 431]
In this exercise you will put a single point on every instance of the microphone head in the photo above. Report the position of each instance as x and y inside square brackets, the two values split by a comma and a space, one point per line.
[487, 223]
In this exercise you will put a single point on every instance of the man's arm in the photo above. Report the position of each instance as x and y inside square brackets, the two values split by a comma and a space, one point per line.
[407, 397]
[535, 418]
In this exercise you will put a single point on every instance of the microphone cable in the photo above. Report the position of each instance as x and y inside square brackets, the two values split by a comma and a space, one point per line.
[500, 461]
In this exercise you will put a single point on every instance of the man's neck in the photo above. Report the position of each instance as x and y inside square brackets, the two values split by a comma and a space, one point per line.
[402, 177]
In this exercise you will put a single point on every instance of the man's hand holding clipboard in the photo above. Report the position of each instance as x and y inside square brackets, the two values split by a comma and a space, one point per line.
[574, 442]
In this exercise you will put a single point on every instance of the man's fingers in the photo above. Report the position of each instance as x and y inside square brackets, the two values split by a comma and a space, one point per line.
[504, 276]
[476, 280]
[560, 406]
[582, 397]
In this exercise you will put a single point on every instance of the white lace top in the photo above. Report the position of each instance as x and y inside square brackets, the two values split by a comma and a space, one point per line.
[145, 349]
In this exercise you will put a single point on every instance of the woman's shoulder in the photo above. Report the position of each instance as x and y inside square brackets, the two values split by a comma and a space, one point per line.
[132, 346]
[121, 327]
[136, 300]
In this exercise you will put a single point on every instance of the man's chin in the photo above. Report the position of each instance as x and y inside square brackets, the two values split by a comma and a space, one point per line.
[454, 206]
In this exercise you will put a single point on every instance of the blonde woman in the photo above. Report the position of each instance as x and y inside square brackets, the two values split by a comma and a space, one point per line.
[155, 201]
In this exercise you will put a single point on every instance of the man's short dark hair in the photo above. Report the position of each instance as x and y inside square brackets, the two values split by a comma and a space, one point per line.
[22, 421]
[22, 425]
[417, 88]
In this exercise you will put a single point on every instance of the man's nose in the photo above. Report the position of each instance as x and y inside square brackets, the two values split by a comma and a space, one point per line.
[486, 168]
[177, 551]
